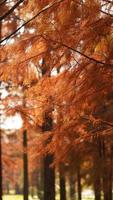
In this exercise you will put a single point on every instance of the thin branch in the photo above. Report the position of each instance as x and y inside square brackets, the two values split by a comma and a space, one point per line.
[108, 1]
[71, 48]
[87, 137]
[103, 121]
[77, 51]
[2, 2]
[105, 13]
[11, 10]
[39, 13]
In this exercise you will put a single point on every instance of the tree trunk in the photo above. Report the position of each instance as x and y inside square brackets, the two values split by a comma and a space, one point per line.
[40, 183]
[72, 183]
[107, 180]
[8, 187]
[1, 189]
[107, 175]
[97, 182]
[25, 166]
[97, 174]
[49, 173]
[17, 189]
[79, 183]
[49, 179]
[110, 176]
[62, 187]
[1, 192]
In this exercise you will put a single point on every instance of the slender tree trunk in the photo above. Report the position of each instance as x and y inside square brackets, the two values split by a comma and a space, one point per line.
[17, 189]
[49, 179]
[1, 192]
[40, 183]
[49, 173]
[25, 163]
[105, 183]
[110, 175]
[107, 180]
[8, 187]
[97, 169]
[79, 183]
[107, 175]
[1, 189]
[72, 183]
[97, 180]
[62, 187]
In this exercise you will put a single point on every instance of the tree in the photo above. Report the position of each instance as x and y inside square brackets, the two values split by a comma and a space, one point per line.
[25, 163]
[75, 39]
[62, 187]
[49, 173]
[1, 192]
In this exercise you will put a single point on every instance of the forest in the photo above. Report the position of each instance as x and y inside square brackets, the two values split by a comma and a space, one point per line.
[56, 100]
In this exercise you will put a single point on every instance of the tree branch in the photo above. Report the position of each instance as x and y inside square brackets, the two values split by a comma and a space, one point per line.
[2, 2]
[11, 10]
[40, 12]
[79, 52]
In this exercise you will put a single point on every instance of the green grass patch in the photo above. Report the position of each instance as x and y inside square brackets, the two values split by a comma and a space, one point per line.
[20, 197]
[14, 197]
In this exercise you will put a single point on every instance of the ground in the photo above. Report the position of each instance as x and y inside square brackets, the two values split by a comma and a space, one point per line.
[14, 197]
[19, 197]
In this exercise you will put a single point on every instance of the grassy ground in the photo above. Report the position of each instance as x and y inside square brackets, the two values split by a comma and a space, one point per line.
[19, 197]
[14, 197]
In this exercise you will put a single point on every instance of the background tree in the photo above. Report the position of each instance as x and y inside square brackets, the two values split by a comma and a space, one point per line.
[63, 61]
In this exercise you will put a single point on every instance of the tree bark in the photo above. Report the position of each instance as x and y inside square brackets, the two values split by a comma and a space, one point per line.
[107, 175]
[1, 191]
[72, 183]
[107, 181]
[62, 187]
[40, 182]
[49, 173]
[49, 179]
[79, 187]
[25, 166]
[110, 176]
[96, 179]
[97, 158]
[17, 189]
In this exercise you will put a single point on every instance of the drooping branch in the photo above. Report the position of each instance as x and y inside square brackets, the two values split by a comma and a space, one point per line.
[77, 51]
[11, 10]
[2, 2]
[101, 120]
[39, 13]
[108, 1]
[45, 37]
[102, 11]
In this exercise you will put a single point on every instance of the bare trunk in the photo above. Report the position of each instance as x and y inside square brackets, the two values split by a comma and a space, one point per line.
[1, 189]
[97, 180]
[49, 173]
[40, 183]
[1, 192]
[79, 183]
[107, 173]
[49, 179]
[62, 188]
[72, 183]
[25, 163]
[97, 168]
[107, 180]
